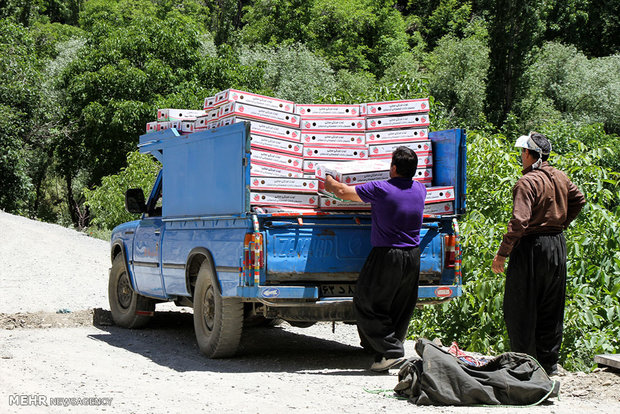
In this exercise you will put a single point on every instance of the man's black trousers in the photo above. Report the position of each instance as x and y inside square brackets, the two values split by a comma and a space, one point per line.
[534, 297]
[385, 298]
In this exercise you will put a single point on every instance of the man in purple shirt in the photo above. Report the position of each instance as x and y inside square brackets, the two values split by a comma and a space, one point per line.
[387, 288]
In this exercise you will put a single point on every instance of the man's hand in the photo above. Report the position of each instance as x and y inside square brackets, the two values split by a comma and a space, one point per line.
[499, 263]
[341, 190]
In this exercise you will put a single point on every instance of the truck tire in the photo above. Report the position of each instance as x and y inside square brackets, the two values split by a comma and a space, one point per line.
[218, 321]
[124, 302]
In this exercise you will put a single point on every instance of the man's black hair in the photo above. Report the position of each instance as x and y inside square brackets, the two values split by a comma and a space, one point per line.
[544, 145]
[406, 161]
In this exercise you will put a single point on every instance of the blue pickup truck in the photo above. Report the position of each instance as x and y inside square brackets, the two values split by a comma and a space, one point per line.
[200, 243]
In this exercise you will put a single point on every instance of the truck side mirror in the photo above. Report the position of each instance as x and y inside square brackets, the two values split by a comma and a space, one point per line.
[134, 201]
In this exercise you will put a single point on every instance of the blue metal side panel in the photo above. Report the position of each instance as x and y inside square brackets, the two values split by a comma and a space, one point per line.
[223, 238]
[335, 248]
[153, 140]
[341, 248]
[449, 163]
[206, 173]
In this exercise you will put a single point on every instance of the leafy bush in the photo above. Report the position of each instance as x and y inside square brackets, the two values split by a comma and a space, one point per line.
[107, 201]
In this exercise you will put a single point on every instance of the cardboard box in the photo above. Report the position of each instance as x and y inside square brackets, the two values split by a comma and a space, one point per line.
[327, 111]
[187, 127]
[151, 126]
[386, 150]
[400, 121]
[275, 159]
[275, 144]
[329, 203]
[257, 169]
[438, 209]
[333, 138]
[283, 184]
[424, 175]
[389, 136]
[439, 194]
[425, 160]
[333, 124]
[209, 103]
[242, 97]
[363, 109]
[260, 198]
[169, 114]
[201, 122]
[324, 152]
[408, 106]
[354, 173]
[259, 114]
[309, 166]
[161, 126]
[266, 129]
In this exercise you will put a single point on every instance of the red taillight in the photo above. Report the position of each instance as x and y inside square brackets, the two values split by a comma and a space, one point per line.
[253, 259]
[449, 251]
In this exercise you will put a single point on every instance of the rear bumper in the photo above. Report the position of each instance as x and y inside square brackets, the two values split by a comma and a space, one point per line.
[312, 292]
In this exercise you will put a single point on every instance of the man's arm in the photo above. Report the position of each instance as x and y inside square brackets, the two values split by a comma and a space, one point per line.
[576, 201]
[341, 190]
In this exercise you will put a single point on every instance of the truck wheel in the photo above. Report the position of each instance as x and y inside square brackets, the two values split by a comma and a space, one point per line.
[218, 321]
[124, 302]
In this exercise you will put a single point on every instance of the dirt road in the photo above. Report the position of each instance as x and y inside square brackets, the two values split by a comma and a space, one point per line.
[69, 364]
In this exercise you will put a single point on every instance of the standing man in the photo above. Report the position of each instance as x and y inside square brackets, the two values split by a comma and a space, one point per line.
[545, 203]
[387, 288]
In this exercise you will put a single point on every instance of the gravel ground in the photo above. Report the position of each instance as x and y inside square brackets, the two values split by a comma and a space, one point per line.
[54, 285]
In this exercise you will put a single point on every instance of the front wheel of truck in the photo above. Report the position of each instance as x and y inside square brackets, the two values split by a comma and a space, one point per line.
[218, 321]
[124, 302]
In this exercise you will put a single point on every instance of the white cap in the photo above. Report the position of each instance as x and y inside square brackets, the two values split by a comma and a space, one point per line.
[526, 141]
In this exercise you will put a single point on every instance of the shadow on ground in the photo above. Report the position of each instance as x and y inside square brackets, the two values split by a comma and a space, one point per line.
[169, 341]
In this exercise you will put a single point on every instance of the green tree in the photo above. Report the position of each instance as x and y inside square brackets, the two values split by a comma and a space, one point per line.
[593, 26]
[352, 34]
[291, 71]
[515, 27]
[563, 84]
[20, 78]
[458, 73]
[107, 201]
[131, 65]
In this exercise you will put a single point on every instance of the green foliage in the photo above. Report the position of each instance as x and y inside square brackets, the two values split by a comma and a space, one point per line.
[349, 34]
[515, 27]
[127, 70]
[591, 25]
[593, 288]
[562, 83]
[107, 201]
[458, 78]
[291, 71]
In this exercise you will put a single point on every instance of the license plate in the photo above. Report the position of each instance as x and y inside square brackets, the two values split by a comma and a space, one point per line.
[337, 290]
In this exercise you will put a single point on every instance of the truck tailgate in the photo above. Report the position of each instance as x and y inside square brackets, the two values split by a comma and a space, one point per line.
[333, 249]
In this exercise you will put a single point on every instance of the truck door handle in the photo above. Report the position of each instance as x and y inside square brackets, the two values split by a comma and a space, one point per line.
[157, 232]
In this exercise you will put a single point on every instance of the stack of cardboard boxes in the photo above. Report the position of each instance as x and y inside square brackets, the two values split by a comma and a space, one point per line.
[293, 147]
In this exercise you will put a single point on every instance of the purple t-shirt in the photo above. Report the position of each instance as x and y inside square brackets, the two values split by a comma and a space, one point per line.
[397, 209]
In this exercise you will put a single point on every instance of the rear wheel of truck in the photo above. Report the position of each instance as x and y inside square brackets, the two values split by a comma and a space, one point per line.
[124, 302]
[218, 321]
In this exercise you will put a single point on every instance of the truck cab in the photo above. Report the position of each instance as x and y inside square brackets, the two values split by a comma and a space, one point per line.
[200, 242]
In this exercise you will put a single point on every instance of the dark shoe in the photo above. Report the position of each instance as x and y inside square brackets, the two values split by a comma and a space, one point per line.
[553, 370]
[385, 364]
